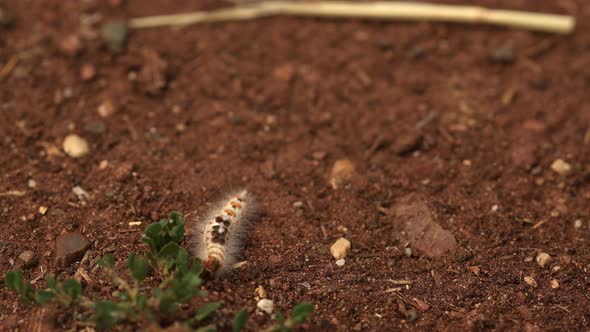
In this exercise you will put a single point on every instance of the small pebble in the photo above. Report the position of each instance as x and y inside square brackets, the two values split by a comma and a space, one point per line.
[408, 252]
[106, 108]
[95, 127]
[75, 146]
[544, 259]
[70, 247]
[87, 72]
[32, 184]
[103, 164]
[71, 45]
[342, 172]
[561, 167]
[340, 248]
[265, 305]
[29, 258]
[261, 292]
[298, 205]
[341, 262]
[114, 35]
[578, 223]
[43, 210]
[530, 281]
[555, 269]
[123, 172]
[504, 54]
[554, 284]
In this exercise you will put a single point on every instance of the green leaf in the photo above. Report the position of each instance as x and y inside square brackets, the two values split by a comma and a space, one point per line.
[141, 301]
[206, 310]
[107, 261]
[198, 267]
[301, 311]
[14, 280]
[177, 233]
[169, 251]
[240, 320]
[72, 288]
[176, 217]
[51, 282]
[107, 314]
[138, 267]
[44, 296]
[153, 230]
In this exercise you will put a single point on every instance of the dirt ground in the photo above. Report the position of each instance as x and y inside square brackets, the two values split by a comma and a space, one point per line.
[467, 120]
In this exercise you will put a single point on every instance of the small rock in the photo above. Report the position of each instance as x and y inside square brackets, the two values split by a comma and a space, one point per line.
[555, 269]
[578, 223]
[530, 281]
[544, 259]
[124, 170]
[103, 164]
[87, 72]
[106, 108]
[153, 75]
[341, 262]
[554, 284]
[71, 45]
[319, 155]
[265, 305]
[114, 35]
[413, 216]
[524, 156]
[504, 54]
[534, 125]
[561, 167]
[261, 292]
[423, 306]
[408, 252]
[284, 72]
[80, 193]
[95, 127]
[31, 183]
[70, 247]
[43, 210]
[407, 142]
[29, 258]
[340, 248]
[342, 172]
[298, 205]
[75, 146]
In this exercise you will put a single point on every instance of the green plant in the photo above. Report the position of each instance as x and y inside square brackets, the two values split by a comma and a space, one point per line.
[177, 278]
[297, 317]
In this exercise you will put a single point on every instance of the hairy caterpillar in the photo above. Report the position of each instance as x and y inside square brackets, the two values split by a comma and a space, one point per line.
[219, 235]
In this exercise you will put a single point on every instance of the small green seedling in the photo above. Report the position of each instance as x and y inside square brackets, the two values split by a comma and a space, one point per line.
[178, 281]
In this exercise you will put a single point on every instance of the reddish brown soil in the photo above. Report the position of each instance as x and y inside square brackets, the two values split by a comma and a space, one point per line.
[257, 104]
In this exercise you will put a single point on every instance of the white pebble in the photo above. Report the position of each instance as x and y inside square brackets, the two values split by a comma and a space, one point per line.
[561, 167]
[75, 146]
[530, 281]
[340, 248]
[266, 305]
[298, 205]
[578, 223]
[340, 262]
[544, 259]
[32, 183]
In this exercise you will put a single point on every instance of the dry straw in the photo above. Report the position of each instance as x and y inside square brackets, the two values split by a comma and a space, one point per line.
[371, 11]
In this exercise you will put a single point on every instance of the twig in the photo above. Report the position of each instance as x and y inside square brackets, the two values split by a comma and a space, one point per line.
[375, 11]
[8, 67]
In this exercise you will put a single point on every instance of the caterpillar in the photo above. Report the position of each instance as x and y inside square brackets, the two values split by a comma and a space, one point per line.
[218, 239]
